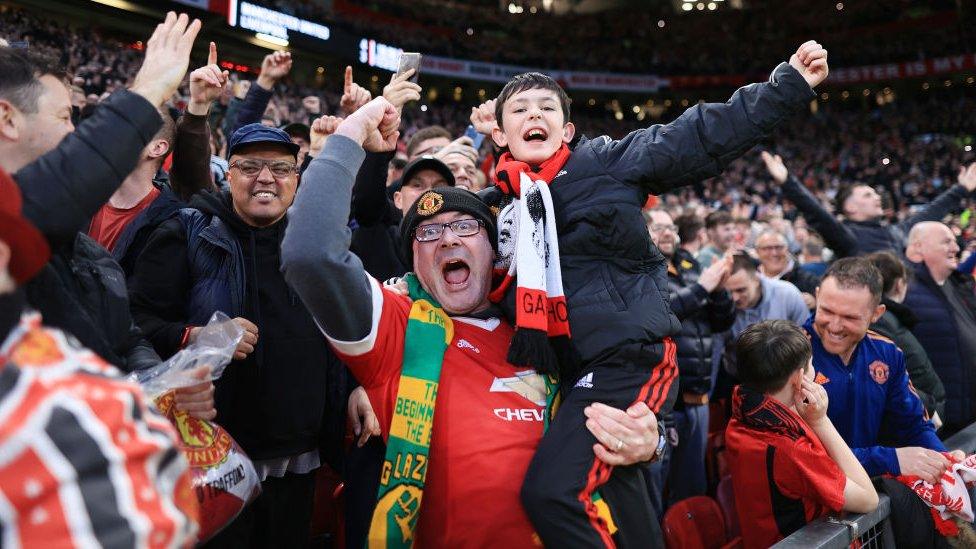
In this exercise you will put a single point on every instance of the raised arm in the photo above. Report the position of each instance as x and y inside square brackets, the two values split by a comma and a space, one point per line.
[108, 143]
[190, 172]
[315, 256]
[702, 141]
[274, 67]
[947, 202]
[837, 237]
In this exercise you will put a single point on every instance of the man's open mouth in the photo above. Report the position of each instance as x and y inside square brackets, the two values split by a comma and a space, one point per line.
[456, 271]
[264, 194]
[536, 134]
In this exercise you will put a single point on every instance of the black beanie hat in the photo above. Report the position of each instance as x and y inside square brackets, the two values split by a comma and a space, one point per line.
[440, 200]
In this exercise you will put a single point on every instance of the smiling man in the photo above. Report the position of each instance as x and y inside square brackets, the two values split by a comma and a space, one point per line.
[871, 401]
[776, 262]
[222, 254]
[945, 303]
[461, 423]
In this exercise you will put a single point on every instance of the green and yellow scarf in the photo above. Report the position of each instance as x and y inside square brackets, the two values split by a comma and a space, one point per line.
[429, 332]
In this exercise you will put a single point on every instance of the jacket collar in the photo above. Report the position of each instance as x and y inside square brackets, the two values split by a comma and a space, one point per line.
[762, 413]
[904, 314]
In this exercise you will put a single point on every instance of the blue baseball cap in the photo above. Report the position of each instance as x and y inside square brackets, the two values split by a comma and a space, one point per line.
[259, 133]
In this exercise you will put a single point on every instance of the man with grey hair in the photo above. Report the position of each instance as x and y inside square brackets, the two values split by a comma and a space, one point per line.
[943, 299]
[776, 262]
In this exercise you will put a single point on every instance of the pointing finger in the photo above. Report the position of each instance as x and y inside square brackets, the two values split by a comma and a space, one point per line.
[348, 83]
[212, 57]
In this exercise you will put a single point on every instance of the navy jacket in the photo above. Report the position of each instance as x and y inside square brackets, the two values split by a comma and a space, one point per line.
[135, 235]
[937, 331]
[614, 277]
[849, 238]
[701, 314]
[278, 400]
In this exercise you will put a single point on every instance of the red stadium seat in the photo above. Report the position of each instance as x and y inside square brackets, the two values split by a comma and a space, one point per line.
[716, 466]
[726, 500]
[696, 523]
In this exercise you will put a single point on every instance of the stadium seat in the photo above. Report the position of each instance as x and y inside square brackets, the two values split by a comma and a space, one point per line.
[696, 523]
[725, 496]
[716, 466]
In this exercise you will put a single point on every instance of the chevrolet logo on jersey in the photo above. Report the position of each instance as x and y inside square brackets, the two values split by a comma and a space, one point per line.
[528, 384]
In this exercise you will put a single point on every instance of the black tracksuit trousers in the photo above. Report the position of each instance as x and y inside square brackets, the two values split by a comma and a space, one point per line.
[564, 473]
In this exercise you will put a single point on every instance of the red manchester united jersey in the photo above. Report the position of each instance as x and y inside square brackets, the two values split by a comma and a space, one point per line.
[781, 473]
[487, 423]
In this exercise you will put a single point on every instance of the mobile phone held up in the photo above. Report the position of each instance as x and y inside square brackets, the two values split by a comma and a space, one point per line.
[475, 136]
[410, 60]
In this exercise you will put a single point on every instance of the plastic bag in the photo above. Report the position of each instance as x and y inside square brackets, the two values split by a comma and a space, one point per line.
[223, 477]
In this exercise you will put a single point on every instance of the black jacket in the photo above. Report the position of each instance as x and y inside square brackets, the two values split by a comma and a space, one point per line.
[136, 234]
[938, 333]
[615, 279]
[274, 402]
[896, 324]
[376, 236]
[849, 238]
[82, 288]
[804, 280]
[82, 291]
[701, 314]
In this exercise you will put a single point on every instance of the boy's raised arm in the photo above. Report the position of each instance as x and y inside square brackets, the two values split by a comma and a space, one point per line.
[315, 256]
[701, 142]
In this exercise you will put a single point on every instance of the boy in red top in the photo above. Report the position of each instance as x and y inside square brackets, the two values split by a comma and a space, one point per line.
[789, 465]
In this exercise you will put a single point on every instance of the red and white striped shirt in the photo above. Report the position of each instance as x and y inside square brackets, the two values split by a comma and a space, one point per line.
[84, 461]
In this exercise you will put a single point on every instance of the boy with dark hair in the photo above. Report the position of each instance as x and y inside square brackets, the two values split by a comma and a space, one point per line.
[789, 465]
[608, 338]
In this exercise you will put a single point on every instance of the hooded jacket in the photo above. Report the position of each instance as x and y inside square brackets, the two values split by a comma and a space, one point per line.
[896, 324]
[207, 259]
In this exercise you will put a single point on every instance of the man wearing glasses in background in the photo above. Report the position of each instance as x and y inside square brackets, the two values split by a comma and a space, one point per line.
[222, 254]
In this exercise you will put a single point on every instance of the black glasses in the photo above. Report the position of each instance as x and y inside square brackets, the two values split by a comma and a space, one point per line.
[251, 168]
[461, 227]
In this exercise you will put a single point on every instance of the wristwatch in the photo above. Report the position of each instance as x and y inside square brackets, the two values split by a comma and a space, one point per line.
[662, 443]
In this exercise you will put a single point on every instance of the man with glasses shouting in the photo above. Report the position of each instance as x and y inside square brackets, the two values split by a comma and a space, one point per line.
[222, 254]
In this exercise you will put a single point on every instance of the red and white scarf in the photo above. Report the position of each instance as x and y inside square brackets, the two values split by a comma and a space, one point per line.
[528, 253]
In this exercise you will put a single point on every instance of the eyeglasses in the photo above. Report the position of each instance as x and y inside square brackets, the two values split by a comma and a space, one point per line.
[656, 228]
[771, 248]
[251, 168]
[461, 227]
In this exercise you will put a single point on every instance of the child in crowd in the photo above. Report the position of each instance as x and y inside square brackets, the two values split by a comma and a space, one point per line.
[789, 464]
[570, 211]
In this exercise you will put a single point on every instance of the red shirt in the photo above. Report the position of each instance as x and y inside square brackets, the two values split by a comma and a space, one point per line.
[110, 221]
[781, 473]
[487, 424]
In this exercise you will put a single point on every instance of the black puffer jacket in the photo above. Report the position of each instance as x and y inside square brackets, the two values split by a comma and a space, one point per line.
[701, 314]
[615, 279]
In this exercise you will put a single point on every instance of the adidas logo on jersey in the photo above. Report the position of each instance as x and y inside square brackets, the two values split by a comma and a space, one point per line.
[586, 381]
[465, 344]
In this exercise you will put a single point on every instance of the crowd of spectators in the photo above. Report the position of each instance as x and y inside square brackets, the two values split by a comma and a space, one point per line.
[484, 31]
[745, 247]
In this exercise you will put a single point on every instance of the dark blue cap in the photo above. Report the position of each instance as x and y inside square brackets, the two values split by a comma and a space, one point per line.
[258, 133]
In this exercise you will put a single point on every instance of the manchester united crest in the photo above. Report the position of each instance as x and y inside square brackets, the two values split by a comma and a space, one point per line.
[430, 203]
[879, 372]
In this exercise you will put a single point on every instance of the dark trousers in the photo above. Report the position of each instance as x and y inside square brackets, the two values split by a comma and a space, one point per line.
[564, 473]
[279, 517]
[910, 517]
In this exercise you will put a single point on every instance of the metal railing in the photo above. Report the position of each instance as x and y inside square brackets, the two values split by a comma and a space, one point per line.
[871, 530]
